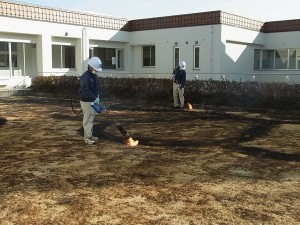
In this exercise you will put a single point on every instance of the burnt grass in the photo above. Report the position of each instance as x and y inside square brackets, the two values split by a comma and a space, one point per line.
[209, 165]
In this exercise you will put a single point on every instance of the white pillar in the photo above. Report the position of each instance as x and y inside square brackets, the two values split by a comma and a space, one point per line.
[44, 54]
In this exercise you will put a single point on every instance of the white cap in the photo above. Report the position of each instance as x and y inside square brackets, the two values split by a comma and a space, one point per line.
[95, 63]
[182, 65]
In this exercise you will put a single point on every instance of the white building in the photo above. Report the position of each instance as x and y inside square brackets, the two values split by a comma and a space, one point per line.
[37, 40]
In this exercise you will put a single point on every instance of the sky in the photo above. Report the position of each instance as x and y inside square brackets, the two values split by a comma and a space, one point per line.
[261, 10]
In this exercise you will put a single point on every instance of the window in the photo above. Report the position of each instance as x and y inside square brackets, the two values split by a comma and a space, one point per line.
[281, 59]
[176, 56]
[257, 59]
[107, 56]
[268, 59]
[196, 57]
[63, 56]
[4, 54]
[148, 56]
[294, 59]
[69, 56]
[111, 58]
[120, 59]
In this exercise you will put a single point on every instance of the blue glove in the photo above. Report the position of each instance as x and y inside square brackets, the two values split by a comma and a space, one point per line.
[98, 108]
[97, 101]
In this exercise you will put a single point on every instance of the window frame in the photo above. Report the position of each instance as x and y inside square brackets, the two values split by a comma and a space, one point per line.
[269, 59]
[120, 58]
[66, 52]
[296, 59]
[195, 58]
[176, 56]
[151, 56]
[9, 54]
[116, 60]
[268, 63]
[279, 63]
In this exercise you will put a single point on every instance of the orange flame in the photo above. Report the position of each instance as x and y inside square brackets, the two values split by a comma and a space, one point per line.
[130, 142]
[190, 106]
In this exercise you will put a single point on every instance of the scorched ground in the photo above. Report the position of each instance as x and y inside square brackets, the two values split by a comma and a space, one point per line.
[200, 166]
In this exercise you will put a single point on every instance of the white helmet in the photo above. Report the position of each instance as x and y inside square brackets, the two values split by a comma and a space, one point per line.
[182, 65]
[95, 63]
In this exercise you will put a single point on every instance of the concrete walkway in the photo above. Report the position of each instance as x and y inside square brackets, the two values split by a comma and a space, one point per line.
[9, 91]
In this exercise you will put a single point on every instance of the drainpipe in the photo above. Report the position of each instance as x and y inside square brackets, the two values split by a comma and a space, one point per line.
[10, 60]
[85, 49]
[211, 50]
[24, 60]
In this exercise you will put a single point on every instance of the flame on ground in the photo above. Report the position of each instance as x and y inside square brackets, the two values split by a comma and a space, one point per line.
[190, 106]
[130, 142]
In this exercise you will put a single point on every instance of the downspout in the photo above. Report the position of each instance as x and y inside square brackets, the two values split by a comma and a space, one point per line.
[24, 60]
[85, 49]
[211, 50]
[10, 60]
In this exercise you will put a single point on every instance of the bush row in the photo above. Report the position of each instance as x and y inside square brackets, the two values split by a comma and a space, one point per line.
[206, 92]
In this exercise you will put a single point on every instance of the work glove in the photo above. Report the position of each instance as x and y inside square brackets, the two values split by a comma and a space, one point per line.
[97, 101]
[98, 108]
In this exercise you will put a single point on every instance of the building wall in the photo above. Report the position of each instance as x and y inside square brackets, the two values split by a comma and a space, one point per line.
[280, 40]
[227, 42]
[237, 52]
[42, 35]
[207, 37]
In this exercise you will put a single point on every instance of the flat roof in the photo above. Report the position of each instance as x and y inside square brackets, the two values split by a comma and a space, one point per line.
[44, 13]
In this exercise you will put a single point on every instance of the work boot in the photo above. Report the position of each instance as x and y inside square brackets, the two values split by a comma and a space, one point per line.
[89, 141]
[94, 138]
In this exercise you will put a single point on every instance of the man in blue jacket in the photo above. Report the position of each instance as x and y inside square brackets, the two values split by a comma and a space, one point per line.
[89, 93]
[178, 85]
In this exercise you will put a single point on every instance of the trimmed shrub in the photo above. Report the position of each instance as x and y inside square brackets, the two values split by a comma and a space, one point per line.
[205, 92]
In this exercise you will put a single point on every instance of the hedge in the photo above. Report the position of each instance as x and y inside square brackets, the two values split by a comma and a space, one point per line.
[207, 92]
